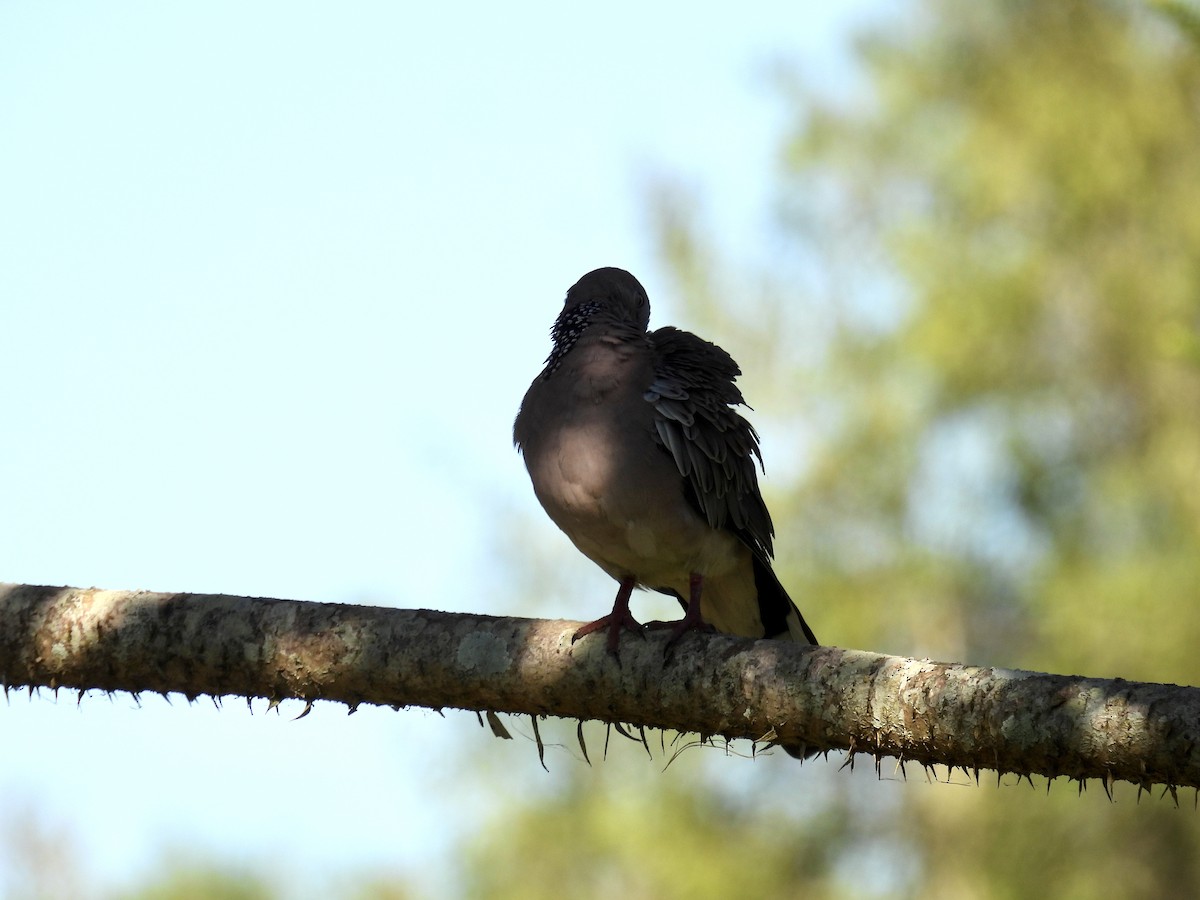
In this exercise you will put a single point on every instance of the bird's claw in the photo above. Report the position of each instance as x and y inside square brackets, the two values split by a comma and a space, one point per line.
[679, 628]
[613, 623]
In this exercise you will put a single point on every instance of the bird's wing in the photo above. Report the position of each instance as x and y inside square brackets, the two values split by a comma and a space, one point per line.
[693, 395]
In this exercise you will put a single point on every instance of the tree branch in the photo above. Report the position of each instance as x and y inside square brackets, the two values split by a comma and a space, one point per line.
[927, 712]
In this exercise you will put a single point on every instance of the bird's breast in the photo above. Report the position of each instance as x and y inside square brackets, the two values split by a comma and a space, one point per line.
[604, 479]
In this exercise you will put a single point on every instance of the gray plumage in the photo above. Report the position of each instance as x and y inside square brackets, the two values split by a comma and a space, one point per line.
[637, 453]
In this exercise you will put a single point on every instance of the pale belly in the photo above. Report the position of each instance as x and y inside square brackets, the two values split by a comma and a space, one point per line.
[630, 516]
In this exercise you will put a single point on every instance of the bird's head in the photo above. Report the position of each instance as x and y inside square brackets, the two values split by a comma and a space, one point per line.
[612, 293]
[610, 297]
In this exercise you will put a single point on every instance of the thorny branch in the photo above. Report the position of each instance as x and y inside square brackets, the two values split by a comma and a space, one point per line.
[916, 710]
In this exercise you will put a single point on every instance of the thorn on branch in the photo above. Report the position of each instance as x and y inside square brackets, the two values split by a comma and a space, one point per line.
[497, 726]
[537, 736]
[582, 743]
[769, 739]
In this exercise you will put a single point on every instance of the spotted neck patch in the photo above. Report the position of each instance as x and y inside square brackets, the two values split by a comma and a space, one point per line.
[566, 331]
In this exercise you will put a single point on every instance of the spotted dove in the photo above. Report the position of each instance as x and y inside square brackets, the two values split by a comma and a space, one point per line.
[635, 451]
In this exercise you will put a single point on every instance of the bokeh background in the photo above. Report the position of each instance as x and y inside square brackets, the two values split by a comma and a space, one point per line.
[273, 279]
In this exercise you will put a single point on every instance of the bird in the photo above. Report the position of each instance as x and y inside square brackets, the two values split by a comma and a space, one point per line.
[637, 452]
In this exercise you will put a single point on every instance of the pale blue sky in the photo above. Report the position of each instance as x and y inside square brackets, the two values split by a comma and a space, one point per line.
[273, 279]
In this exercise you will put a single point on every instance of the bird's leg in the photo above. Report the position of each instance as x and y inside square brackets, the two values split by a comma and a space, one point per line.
[692, 619]
[619, 618]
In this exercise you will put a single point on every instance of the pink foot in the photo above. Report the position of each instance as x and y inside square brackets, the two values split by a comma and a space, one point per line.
[692, 619]
[616, 620]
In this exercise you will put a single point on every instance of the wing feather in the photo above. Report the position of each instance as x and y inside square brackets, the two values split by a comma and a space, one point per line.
[694, 398]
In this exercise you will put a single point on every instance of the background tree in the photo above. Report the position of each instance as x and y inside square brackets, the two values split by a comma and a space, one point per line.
[980, 336]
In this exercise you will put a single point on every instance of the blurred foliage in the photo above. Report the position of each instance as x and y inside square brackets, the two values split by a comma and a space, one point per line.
[976, 359]
[200, 881]
[213, 880]
[1027, 173]
[600, 838]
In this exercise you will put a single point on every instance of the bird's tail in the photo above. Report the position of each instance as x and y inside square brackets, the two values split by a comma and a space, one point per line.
[780, 616]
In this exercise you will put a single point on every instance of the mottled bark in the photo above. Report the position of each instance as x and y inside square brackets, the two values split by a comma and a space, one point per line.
[956, 715]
